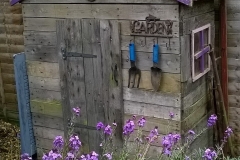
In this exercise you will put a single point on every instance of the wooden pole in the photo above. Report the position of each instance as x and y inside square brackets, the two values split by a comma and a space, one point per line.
[220, 92]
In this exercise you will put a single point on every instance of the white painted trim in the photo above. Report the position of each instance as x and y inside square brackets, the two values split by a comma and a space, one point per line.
[196, 77]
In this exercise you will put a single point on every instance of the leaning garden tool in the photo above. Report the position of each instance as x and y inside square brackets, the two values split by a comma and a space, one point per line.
[155, 71]
[221, 98]
[133, 71]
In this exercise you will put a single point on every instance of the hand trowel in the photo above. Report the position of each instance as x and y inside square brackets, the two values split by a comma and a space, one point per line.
[156, 72]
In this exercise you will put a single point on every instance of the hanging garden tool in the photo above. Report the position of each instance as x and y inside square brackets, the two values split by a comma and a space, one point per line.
[133, 71]
[155, 71]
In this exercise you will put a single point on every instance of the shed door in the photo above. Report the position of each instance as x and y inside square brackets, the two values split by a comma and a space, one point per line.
[90, 76]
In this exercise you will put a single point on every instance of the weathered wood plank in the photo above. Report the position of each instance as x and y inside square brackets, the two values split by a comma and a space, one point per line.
[39, 38]
[7, 9]
[8, 78]
[16, 19]
[44, 83]
[10, 98]
[46, 144]
[9, 88]
[144, 96]
[53, 108]
[145, 44]
[7, 68]
[11, 39]
[195, 95]
[43, 69]
[11, 29]
[234, 101]
[49, 24]
[151, 110]
[47, 133]
[98, 11]
[233, 74]
[48, 94]
[233, 40]
[47, 121]
[169, 82]
[5, 48]
[103, 1]
[234, 88]
[168, 62]
[185, 57]
[233, 27]
[41, 53]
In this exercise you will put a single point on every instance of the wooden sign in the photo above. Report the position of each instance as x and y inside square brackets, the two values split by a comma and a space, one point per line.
[152, 26]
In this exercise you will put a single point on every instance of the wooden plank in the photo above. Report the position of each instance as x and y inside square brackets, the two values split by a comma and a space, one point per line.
[7, 9]
[47, 133]
[10, 98]
[49, 24]
[39, 38]
[48, 94]
[234, 74]
[53, 108]
[185, 58]
[103, 1]
[169, 82]
[43, 143]
[43, 69]
[47, 121]
[195, 95]
[5, 48]
[98, 11]
[233, 39]
[144, 96]
[7, 68]
[233, 26]
[44, 83]
[201, 102]
[234, 88]
[16, 19]
[9, 88]
[11, 39]
[165, 126]
[151, 110]
[41, 53]
[8, 78]
[11, 29]
[234, 101]
[168, 62]
[145, 44]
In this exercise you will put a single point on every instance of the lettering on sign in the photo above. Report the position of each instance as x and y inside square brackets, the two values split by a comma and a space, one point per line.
[152, 26]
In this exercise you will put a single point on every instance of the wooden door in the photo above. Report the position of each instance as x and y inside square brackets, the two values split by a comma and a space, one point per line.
[92, 82]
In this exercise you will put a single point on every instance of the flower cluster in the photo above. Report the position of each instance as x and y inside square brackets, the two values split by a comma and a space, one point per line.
[74, 143]
[58, 142]
[141, 122]
[108, 156]
[153, 135]
[25, 156]
[128, 127]
[209, 154]
[52, 155]
[212, 120]
[107, 130]
[169, 141]
[92, 156]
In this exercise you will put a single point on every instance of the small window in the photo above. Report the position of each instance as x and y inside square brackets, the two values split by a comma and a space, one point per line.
[201, 38]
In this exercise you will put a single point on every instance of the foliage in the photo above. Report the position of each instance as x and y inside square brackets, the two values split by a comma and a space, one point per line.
[173, 146]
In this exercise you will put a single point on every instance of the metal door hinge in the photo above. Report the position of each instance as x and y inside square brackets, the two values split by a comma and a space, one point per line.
[76, 54]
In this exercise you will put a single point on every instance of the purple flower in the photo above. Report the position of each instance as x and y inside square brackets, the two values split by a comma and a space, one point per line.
[25, 156]
[134, 117]
[176, 138]
[108, 156]
[85, 157]
[93, 156]
[212, 120]
[52, 155]
[108, 130]
[100, 126]
[58, 142]
[187, 158]
[191, 132]
[76, 111]
[209, 154]
[141, 122]
[153, 135]
[74, 143]
[171, 115]
[169, 141]
[70, 156]
[228, 132]
[128, 127]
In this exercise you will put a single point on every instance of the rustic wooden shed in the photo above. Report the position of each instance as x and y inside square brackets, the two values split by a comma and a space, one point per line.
[78, 55]
[11, 42]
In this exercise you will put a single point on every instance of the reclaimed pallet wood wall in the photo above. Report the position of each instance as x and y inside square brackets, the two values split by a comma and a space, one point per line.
[196, 105]
[40, 44]
[11, 42]
[233, 23]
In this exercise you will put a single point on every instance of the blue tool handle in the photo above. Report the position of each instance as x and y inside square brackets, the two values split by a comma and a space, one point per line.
[155, 53]
[132, 52]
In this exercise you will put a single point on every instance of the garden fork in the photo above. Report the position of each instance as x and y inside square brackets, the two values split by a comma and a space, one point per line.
[133, 71]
